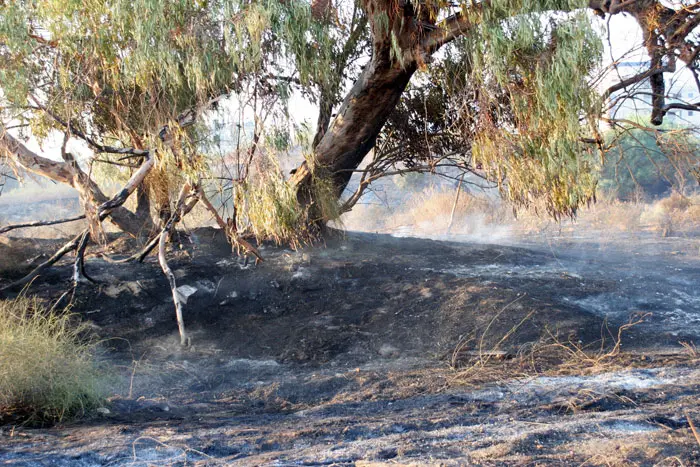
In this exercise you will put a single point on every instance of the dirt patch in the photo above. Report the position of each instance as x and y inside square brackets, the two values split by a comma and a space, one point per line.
[342, 353]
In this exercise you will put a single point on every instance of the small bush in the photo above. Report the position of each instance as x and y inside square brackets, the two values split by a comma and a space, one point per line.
[674, 214]
[47, 372]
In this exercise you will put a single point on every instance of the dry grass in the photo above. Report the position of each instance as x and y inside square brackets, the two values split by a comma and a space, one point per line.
[473, 364]
[428, 214]
[47, 371]
[675, 214]
[612, 215]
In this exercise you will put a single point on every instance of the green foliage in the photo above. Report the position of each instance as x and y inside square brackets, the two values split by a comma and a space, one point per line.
[510, 102]
[518, 105]
[649, 163]
[532, 146]
[47, 371]
[123, 69]
[270, 210]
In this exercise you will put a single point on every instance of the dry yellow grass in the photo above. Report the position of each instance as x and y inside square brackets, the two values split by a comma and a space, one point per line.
[47, 371]
[675, 214]
[552, 356]
[428, 213]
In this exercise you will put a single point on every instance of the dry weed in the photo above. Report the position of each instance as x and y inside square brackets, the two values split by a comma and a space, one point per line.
[672, 215]
[429, 213]
[47, 371]
[550, 356]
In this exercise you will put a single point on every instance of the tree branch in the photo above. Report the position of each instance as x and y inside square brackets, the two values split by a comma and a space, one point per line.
[70, 246]
[634, 80]
[236, 240]
[7, 228]
[68, 173]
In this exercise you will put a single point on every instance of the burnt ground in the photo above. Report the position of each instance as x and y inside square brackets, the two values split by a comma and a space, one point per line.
[372, 350]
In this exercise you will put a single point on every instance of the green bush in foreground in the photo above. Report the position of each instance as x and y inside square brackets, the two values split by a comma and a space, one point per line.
[47, 371]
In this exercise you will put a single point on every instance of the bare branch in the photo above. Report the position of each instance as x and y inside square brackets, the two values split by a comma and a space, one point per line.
[70, 246]
[68, 173]
[162, 238]
[7, 228]
[634, 80]
[236, 240]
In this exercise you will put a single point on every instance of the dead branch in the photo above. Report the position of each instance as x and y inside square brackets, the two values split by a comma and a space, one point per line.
[79, 274]
[236, 240]
[68, 173]
[7, 228]
[173, 287]
[153, 242]
[454, 205]
[181, 210]
[70, 246]
[104, 210]
[162, 239]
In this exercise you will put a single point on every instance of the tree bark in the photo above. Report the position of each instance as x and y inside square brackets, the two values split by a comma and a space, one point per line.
[354, 130]
[69, 172]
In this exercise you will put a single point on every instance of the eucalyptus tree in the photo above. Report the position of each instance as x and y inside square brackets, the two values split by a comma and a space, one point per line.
[125, 76]
[497, 87]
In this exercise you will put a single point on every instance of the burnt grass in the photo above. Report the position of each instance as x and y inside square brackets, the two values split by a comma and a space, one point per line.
[343, 353]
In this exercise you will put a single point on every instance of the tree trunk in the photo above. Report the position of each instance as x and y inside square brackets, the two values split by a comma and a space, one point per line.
[354, 130]
[396, 52]
[143, 205]
[325, 113]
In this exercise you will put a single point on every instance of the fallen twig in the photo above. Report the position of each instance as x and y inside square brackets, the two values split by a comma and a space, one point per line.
[692, 427]
[70, 246]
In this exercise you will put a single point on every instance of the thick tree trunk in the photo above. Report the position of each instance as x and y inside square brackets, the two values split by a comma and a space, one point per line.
[375, 94]
[354, 130]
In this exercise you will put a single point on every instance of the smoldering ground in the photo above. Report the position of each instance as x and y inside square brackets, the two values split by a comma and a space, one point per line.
[371, 348]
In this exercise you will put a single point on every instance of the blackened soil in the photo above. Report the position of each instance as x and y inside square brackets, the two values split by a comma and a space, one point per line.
[354, 351]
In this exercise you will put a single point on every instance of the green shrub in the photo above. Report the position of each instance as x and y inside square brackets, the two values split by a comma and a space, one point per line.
[47, 370]
[639, 166]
